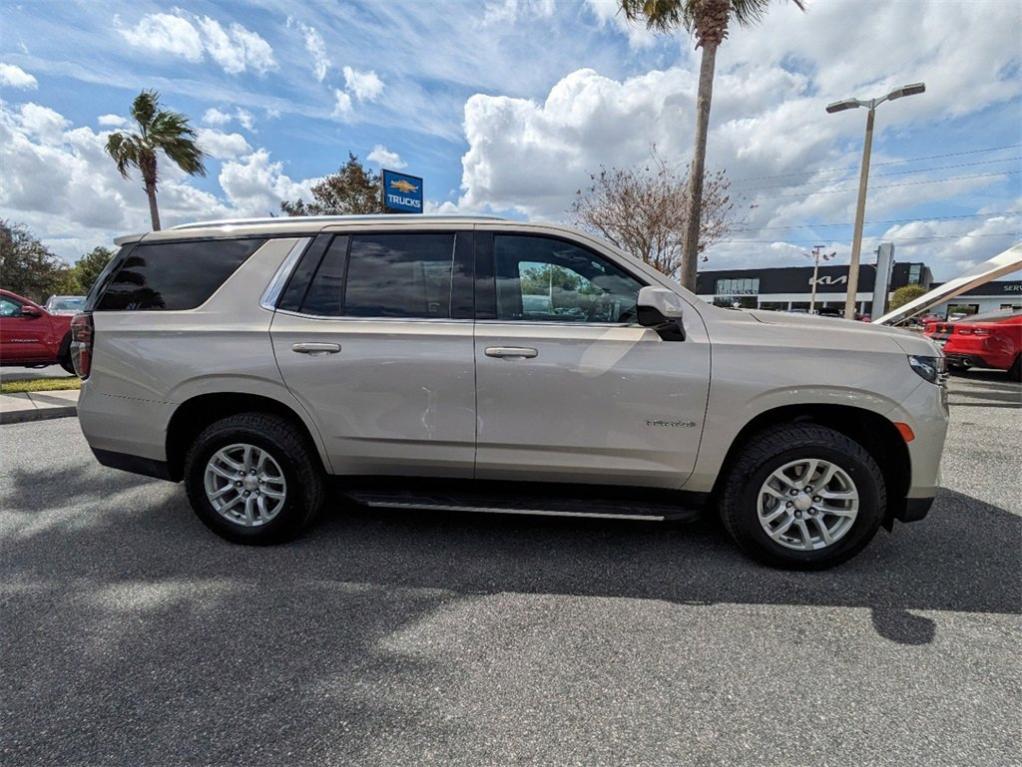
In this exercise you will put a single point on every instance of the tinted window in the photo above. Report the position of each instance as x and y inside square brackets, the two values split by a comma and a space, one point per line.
[326, 291]
[542, 279]
[399, 275]
[174, 275]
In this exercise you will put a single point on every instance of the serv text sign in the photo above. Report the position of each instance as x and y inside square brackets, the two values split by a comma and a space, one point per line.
[401, 193]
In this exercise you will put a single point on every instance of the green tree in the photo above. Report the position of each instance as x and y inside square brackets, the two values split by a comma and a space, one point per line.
[88, 267]
[158, 129]
[708, 21]
[352, 190]
[906, 293]
[27, 267]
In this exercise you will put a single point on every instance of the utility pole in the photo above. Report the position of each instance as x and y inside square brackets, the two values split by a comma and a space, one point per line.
[860, 208]
[816, 255]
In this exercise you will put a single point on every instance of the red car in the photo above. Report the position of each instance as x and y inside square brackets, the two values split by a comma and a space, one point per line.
[984, 341]
[32, 337]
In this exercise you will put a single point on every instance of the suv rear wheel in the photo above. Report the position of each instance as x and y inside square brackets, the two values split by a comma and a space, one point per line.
[253, 478]
[803, 496]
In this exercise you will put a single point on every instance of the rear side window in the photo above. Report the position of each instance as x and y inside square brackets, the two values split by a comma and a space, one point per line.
[399, 275]
[408, 275]
[173, 275]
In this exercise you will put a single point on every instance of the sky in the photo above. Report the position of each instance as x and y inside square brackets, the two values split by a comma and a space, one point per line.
[506, 106]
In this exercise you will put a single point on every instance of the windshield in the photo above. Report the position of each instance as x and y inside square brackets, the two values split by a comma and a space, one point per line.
[66, 304]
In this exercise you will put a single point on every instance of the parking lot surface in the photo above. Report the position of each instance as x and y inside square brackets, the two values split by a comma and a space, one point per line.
[132, 636]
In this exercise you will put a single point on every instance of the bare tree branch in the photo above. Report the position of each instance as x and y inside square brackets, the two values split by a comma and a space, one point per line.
[644, 211]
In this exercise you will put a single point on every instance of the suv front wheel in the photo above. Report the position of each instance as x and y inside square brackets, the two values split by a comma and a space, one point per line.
[803, 496]
[253, 478]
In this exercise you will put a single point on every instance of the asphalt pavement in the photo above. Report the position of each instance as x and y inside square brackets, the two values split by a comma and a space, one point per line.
[131, 635]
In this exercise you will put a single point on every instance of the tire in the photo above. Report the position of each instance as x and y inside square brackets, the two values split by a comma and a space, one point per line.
[64, 356]
[783, 446]
[1015, 371]
[304, 482]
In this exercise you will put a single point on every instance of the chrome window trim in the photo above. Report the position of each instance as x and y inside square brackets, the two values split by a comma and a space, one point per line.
[272, 293]
[347, 318]
[551, 323]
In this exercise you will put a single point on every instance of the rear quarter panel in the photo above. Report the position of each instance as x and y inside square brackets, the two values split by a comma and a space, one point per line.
[146, 363]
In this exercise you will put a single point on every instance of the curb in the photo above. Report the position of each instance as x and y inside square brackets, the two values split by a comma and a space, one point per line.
[42, 414]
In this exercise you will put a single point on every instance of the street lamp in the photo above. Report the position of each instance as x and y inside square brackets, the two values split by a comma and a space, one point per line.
[860, 209]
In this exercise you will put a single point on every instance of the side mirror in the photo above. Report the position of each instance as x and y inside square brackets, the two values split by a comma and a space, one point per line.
[30, 312]
[661, 310]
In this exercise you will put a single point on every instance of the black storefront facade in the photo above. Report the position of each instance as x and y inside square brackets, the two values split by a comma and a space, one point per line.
[790, 287]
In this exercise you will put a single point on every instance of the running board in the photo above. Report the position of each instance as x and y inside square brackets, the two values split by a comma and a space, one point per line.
[532, 505]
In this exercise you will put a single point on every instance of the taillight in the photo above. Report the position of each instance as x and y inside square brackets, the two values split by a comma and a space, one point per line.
[81, 344]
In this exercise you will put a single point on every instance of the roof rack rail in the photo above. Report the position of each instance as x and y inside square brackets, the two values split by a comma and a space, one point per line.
[329, 219]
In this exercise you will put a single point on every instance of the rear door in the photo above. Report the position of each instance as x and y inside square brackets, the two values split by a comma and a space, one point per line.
[373, 334]
[570, 387]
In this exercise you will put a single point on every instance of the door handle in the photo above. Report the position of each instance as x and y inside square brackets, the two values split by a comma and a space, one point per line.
[511, 352]
[316, 348]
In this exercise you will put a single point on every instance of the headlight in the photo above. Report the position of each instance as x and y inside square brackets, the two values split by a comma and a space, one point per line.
[933, 369]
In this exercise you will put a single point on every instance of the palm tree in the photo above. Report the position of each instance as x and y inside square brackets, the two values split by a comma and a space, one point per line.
[708, 20]
[158, 129]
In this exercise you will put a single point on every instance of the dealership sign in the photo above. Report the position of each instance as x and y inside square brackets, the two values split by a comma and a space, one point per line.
[827, 279]
[401, 193]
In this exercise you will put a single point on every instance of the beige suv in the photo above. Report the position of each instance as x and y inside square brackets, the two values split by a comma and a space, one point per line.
[489, 365]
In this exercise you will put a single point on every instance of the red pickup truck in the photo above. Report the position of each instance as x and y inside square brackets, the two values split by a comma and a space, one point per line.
[32, 337]
[986, 341]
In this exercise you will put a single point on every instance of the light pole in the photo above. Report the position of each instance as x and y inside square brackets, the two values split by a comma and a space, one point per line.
[860, 209]
[816, 255]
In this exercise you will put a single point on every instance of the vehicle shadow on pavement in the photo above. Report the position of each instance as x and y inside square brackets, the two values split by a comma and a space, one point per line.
[126, 625]
[963, 557]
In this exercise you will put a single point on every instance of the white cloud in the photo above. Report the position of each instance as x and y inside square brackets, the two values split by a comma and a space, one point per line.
[342, 105]
[386, 158]
[165, 33]
[530, 157]
[509, 11]
[220, 145]
[13, 76]
[366, 86]
[42, 123]
[112, 121]
[608, 12]
[214, 116]
[256, 186]
[244, 118]
[316, 47]
[236, 49]
[219, 117]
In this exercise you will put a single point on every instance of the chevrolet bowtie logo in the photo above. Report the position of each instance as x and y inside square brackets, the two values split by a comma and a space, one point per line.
[404, 186]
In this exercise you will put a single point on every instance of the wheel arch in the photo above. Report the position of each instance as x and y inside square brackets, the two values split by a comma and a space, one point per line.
[196, 413]
[878, 435]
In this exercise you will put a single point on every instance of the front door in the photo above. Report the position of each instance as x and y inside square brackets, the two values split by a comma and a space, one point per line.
[379, 351]
[22, 337]
[569, 387]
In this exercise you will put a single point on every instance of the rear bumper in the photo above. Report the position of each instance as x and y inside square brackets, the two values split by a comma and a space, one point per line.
[133, 463]
[958, 359]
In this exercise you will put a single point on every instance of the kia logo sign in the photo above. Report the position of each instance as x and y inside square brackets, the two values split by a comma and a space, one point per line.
[829, 280]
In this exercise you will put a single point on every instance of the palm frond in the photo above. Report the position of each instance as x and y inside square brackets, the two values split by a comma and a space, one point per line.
[123, 148]
[171, 132]
[144, 107]
[659, 15]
